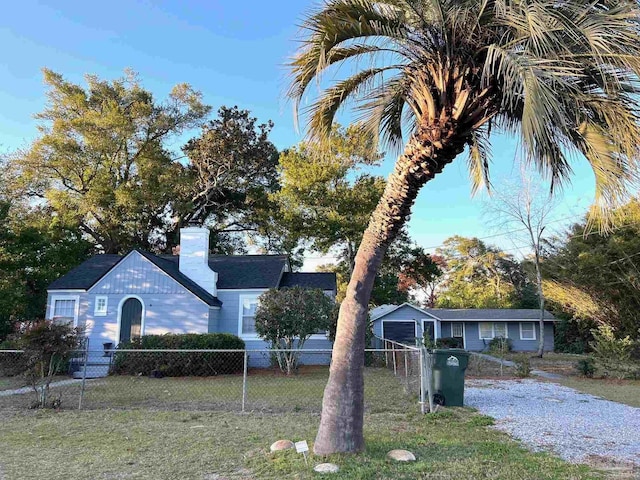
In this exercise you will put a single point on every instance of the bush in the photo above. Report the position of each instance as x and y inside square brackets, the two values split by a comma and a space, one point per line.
[523, 366]
[178, 364]
[586, 367]
[500, 345]
[572, 336]
[449, 342]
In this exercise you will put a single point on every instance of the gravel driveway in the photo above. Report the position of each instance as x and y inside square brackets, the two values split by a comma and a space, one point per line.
[547, 416]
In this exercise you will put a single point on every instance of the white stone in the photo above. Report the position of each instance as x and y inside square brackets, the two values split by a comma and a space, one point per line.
[326, 468]
[281, 445]
[402, 455]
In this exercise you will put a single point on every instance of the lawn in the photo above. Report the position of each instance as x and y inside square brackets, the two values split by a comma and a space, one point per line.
[157, 438]
[622, 391]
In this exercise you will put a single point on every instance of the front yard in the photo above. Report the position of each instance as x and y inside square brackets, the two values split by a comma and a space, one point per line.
[136, 427]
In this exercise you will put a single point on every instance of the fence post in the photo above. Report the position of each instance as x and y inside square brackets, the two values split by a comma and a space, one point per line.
[84, 373]
[386, 354]
[244, 380]
[393, 352]
[422, 382]
[406, 368]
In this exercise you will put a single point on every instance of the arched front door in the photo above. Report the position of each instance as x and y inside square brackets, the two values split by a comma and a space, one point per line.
[130, 320]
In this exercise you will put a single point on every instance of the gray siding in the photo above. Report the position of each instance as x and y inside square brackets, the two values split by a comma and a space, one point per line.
[474, 343]
[405, 313]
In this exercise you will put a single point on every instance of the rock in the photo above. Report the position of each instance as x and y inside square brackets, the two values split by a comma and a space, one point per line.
[281, 445]
[326, 468]
[401, 455]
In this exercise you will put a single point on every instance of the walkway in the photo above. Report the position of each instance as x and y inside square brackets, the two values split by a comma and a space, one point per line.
[20, 391]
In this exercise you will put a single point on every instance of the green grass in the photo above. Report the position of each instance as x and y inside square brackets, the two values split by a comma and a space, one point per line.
[622, 391]
[144, 444]
[177, 436]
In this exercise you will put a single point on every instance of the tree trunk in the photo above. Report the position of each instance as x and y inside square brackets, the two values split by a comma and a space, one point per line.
[541, 300]
[341, 424]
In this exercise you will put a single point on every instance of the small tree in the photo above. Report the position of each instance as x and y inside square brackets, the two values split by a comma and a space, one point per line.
[287, 318]
[46, 346]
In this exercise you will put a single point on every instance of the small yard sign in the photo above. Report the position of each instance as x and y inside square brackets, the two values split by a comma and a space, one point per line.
[302, 447]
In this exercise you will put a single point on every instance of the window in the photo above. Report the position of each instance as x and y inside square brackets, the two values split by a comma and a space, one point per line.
[64, 309]
[100, 309]
[486, 330]
[491, 330]
[500, 329]
[527, 331]
[456, 330]
[248, 306]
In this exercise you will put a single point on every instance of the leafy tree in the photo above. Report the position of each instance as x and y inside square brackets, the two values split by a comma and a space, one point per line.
[594, 278]
[231, 172]
[478, 275]
[439, 76]
[35, 249]
[421, 275]
[287, 318]
[323, 199]
[101, 161]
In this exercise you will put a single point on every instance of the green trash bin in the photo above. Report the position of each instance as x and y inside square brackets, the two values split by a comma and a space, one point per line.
[449, 366]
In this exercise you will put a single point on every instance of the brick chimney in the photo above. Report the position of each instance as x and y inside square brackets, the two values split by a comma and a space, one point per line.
[194, 258]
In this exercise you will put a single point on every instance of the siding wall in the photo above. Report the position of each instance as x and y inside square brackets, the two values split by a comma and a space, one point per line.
[474, 343]
[405, 313]
[168, 307]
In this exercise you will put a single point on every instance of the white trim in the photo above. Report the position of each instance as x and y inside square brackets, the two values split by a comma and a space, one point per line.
[54, 291]
[243, 289]
[100, 313]
[415, 326]
[142, 319]
[534, 331]
[76, 312]
[435, 327]
[493, 329]
[457, 323]
[464, 335]
[246, 336]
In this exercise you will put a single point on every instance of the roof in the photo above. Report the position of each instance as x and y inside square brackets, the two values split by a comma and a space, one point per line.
[87, 273]
[322, 280]
[489, 313]
[472, 314]
[235, 272]
[171, 269]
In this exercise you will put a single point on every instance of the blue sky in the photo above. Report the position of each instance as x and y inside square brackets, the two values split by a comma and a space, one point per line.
[234, 53]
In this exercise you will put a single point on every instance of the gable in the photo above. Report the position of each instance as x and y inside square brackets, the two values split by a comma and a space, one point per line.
[406, 311]
[136, 274]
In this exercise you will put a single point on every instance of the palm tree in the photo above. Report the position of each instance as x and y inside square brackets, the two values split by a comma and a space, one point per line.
[439, 76]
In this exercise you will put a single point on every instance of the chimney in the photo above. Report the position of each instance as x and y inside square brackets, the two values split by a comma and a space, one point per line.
[194, 258]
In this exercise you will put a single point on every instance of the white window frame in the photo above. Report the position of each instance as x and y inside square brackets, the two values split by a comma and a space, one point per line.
[461, 328]
[535, 336]
[75, 298]
[101, 313]
[493, 330]
[241, 299]
[119, 319]
[393, 320]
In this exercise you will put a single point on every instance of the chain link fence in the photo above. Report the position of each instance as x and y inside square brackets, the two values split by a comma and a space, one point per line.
[223, 380]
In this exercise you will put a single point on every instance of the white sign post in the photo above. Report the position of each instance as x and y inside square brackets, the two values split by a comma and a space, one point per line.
[303, 448]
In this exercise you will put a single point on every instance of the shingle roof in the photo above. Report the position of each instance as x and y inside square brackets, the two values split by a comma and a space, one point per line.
[472, 314]
[171, 269]
[244, 271]
[322, 280]
[87, 273]
[489, 313]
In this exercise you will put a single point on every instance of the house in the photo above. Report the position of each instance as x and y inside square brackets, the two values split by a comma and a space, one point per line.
[119, 297]
[475, 327]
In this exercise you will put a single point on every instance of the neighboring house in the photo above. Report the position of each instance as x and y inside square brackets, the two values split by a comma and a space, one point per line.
[476, 327]
[116, 298]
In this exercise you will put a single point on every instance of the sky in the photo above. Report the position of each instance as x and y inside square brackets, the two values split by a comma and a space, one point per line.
[234, 52]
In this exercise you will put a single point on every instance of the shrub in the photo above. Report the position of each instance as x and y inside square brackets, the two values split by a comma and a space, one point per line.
[614, 355]
[572, 336]
[47, 347]
[178, 364]
[523, 366]
[286, 319]
[500, 345]
[449, 342]
[586, 367]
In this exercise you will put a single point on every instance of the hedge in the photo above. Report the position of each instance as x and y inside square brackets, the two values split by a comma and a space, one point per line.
[179, 364]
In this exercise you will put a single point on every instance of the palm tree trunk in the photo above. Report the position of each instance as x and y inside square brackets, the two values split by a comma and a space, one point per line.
[341, 424]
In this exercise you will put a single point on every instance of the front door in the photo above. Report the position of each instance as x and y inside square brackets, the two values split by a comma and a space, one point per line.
[428, 330]
[130, 320]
